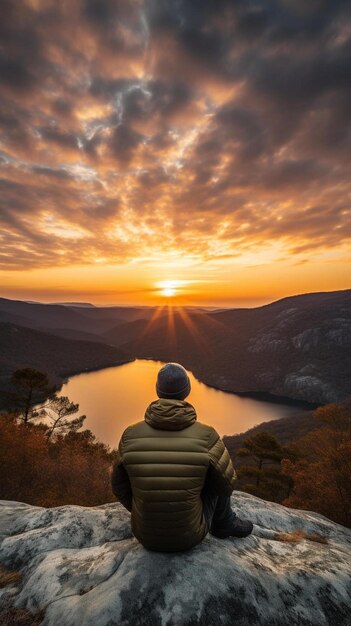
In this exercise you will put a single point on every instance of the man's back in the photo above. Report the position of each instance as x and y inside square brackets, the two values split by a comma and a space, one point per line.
[161, 469]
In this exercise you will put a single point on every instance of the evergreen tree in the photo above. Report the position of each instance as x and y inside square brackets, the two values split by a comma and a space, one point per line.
[261, 475]
[35, 398]
[261, 447]
[59, 411]
[32, 387]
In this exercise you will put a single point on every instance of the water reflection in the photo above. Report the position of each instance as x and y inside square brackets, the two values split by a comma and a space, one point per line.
[116, 397]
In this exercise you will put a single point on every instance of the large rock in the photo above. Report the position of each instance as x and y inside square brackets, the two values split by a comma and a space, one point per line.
[84, 568]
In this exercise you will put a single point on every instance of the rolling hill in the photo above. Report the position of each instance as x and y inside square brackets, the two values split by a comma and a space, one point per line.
[54, 317]
[24, 347]
[297, 347]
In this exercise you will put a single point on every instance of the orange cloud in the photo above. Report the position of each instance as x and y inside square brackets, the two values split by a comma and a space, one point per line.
[175, 138]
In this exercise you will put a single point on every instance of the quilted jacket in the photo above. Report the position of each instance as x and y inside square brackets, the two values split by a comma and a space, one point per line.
[161, 467]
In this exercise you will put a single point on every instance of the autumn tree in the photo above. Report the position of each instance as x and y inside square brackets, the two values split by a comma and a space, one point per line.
[322, 473]
[72, 468]
[32, 387]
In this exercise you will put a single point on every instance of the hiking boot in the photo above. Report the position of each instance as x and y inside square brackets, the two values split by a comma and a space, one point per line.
[239, 528]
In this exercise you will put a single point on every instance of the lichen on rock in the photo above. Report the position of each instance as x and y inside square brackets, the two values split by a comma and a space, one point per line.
[83, 567]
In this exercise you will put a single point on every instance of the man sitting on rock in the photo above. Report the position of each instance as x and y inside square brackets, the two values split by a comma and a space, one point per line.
[175, 474]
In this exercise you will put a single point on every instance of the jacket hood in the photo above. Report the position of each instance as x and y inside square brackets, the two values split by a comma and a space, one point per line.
[170, 414]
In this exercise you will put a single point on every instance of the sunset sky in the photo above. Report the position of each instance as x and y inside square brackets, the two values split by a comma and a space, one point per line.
[188, 151]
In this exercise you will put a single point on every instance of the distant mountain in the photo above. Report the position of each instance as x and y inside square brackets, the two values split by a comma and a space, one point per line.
[78, 305]
[24, 347]
[51, 317]
[119, 313]
[125, 332]
[45, 316]
[77, 335]
[297, 347]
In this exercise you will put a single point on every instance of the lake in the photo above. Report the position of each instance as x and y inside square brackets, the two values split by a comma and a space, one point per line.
[115, 397]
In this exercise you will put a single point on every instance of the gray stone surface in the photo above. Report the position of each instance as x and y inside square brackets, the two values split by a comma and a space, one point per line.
[83, 567]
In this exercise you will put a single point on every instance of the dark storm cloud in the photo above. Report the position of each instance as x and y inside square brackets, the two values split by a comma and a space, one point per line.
[66, 140]
[125, 141]
[100, 12]
[210, 126]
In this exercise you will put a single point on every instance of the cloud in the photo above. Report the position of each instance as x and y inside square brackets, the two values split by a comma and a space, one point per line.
[135, 128]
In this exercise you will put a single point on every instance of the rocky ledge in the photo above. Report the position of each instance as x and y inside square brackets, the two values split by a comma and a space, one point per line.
[82, 567]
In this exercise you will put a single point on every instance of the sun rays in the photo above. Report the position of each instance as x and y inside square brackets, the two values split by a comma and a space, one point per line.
[176, 324]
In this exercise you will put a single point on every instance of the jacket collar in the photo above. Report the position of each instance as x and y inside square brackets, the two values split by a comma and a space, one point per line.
[169, 414]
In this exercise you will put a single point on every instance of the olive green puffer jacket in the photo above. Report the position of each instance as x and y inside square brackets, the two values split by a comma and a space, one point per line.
[161, 467]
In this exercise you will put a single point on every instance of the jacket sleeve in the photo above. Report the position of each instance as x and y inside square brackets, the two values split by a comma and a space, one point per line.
[221, 474]
[120, 482]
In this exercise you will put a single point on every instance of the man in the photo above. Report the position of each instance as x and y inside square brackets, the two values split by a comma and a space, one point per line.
[175, 474]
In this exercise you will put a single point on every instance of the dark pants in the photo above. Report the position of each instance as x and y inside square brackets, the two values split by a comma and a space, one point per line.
[217, 512]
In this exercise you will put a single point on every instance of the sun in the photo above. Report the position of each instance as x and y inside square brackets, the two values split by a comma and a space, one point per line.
[168, 288]
[168, 291]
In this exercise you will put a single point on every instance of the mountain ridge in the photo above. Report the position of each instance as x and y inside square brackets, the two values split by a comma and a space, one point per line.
[299, 352]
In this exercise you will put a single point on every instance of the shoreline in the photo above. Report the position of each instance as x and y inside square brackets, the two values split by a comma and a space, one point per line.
[65, 377]
[261, 396]
[271, 398]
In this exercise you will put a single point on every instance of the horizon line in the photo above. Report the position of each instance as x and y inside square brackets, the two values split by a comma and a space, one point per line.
[168, 304]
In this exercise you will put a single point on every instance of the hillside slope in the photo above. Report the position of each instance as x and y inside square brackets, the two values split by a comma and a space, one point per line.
[24, 347]
[52, 317]
[287, 430]
[82, 566]
[298, 347]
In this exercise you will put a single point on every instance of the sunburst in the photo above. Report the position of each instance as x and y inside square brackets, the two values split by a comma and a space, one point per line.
[168, 288]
